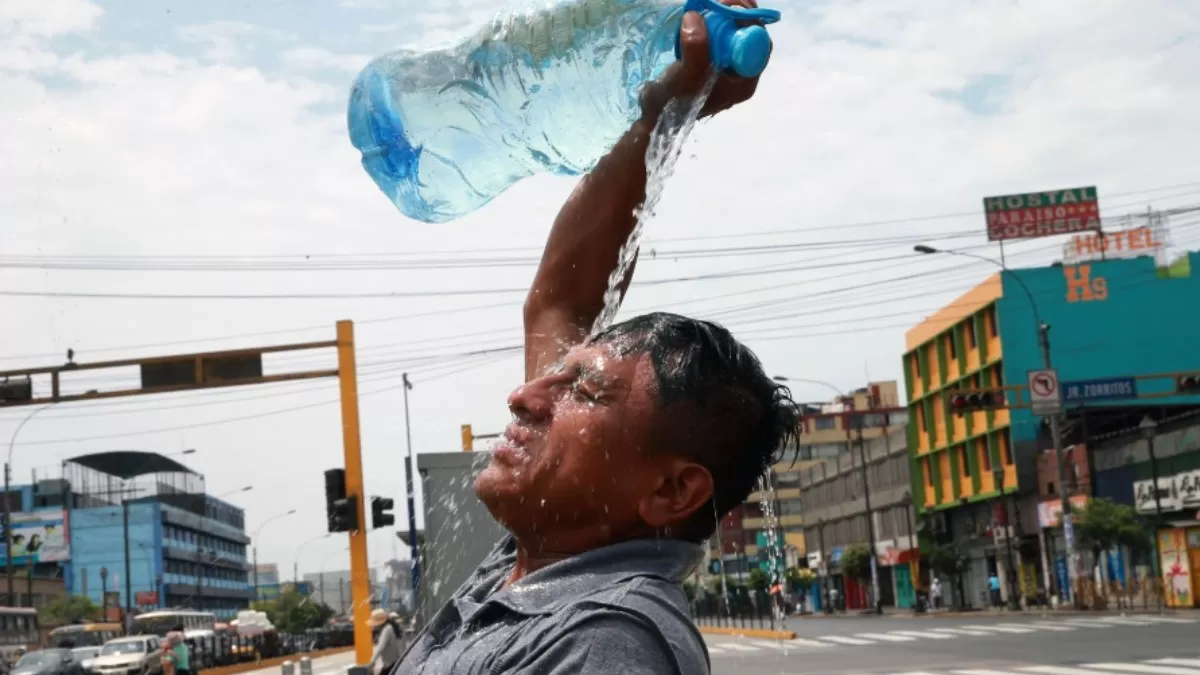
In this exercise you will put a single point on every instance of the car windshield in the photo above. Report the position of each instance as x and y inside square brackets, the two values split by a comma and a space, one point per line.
[49, 657]
[133, 647]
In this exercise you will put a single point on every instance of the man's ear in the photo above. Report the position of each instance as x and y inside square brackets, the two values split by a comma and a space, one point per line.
[683, 488]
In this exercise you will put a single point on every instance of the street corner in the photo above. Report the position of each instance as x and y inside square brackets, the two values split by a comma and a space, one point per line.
[759, 633]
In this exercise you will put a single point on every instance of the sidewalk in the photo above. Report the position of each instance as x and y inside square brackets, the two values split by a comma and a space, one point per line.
[894, 613]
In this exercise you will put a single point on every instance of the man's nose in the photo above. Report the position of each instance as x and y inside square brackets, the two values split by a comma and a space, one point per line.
[532, 401]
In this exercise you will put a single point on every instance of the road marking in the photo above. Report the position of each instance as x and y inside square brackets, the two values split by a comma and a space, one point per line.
[1087, 623]
[739, 647]
[961, 631]
[794, 642]
[1000, 629]
[983, 672]
[1143, 668]
[886, 637]
[1166, 619]
[923, 634]
[1019, 627]
[1177, 662]
[841, 639]
[1050, 625]
[1056, 670]
[1123, 621]
[914, 672]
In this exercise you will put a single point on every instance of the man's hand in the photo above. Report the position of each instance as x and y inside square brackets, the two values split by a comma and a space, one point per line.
[687, 77]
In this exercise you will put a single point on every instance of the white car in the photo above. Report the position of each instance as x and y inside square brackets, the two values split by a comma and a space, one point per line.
[134, 655]
[85, 656]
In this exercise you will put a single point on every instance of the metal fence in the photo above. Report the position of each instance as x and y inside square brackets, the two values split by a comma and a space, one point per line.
[216, 651]
[741, 608]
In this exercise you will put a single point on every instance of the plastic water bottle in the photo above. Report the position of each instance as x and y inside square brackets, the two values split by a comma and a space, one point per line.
[547, 87]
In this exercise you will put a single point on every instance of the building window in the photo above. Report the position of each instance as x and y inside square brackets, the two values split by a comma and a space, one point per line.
[993, 331]
[985, 457]
[824, 423]
[922, 418]
[928, 471]
[950, 346]
[969, 332]
[1005, 451]
[997, 376]
[962, 461]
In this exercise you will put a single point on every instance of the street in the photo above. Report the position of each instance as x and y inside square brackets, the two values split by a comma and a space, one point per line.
[970, 645]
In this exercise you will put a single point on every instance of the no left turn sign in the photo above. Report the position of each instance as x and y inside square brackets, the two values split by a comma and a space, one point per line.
[1045, 396]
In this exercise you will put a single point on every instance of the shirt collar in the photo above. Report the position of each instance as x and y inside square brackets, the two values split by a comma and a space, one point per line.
[555, 585]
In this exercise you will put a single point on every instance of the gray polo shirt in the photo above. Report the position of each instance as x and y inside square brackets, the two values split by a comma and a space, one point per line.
[616, 610]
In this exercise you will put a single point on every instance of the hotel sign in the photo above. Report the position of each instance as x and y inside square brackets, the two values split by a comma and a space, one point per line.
[1042, 214]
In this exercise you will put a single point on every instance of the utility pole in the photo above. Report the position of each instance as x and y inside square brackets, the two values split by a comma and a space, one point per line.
[862, 453]
[413, 548]
[128, 580]
[1059, 459]
[8, 566]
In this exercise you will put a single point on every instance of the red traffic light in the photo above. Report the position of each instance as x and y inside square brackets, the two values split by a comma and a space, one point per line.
[1189, 384]
[977, 400]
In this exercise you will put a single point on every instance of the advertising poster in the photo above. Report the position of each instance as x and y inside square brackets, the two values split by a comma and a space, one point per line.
[39, 536]
[1177, 573]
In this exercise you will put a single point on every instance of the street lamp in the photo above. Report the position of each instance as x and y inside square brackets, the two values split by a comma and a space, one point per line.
[1043, 338]
[862, 450]
[234, 492]
[413, 550]
[8, 566]
[254, 545]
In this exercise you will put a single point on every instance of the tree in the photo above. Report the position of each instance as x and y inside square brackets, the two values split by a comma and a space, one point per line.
[799, 578]
[294, 613]
[856, 562]
[946, 559]
[1102, 525]
[758, 580]
[68, 609]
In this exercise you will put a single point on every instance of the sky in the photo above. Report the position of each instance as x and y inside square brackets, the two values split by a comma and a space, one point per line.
[157, 150]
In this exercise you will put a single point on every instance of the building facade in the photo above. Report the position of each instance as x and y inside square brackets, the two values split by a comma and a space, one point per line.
[836, 494]
[981, 475]
[41, 545]
[828, 430]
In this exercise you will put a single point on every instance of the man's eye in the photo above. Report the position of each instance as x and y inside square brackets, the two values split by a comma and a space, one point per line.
[583, 394]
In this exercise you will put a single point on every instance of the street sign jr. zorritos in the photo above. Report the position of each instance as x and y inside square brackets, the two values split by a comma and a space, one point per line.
[1045, 394]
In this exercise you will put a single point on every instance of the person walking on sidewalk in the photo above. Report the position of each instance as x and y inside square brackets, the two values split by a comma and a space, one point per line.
[388, 647]
[935, 594]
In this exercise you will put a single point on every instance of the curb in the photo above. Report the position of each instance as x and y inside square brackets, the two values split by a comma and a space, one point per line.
[275, 661]
[765, 634]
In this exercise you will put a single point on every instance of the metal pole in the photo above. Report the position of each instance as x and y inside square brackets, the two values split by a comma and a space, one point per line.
[128, 581]
[254, 556]
[823, 568]
[321, 586]
[8, 566]
[1013, 573]
[1059, 459]
[862, 453]
[1157, 501]
[413, 550]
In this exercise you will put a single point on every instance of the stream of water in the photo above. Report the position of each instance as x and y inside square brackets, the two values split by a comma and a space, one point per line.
[666, 142]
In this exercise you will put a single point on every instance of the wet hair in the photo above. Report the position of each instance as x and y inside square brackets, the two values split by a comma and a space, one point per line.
[726, 413]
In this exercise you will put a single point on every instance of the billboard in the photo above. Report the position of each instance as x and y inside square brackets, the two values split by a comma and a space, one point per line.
[39, 536]
[1042, 214]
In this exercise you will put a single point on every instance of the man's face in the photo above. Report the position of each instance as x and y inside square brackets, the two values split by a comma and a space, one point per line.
[575, 461]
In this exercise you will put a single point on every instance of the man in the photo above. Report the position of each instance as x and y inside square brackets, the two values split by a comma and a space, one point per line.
[625, 449]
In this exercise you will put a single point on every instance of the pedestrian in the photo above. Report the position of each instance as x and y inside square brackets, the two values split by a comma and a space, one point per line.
[935, 593]
[388, 645]
[629, 441]
[176, 658]
[994, 589]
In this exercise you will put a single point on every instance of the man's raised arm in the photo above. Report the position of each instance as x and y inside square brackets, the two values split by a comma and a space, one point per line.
[568, 291]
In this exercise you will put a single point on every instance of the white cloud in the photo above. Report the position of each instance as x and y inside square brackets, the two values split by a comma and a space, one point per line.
[153, 153]
[47, 18]
[316, 58]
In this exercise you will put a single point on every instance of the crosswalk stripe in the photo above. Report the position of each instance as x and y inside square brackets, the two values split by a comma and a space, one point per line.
[1165, 619]
[1000, 629]
[1056, 670]
[982, 672]
[923, 634]
[960, 631]
[1177, 662]
[1050, 625]
[841, 639]
[1124, 620]
[739, 647]
[914, 672]
[1087, 623]
[886, 637]
[1144, 668]
[1018, 627]
[794, 642]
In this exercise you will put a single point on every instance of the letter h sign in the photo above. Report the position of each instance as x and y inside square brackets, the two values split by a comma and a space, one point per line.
[1081, 287]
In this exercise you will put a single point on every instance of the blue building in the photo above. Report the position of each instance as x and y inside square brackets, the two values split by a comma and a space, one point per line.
[144, 535]
[40, 543]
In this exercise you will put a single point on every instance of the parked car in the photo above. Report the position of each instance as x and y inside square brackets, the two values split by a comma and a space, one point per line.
[85, 656]
[47, 662]
[133, 655]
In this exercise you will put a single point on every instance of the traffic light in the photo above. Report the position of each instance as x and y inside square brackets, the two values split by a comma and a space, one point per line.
[468, 438]
[1188, 383]
[977, 400]
[16, 390]
[341, 512]
[380, 516]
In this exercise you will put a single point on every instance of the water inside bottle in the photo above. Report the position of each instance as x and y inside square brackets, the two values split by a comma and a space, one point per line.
[666, 142]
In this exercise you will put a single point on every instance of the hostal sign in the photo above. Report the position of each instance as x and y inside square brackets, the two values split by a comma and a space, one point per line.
[1042, 214]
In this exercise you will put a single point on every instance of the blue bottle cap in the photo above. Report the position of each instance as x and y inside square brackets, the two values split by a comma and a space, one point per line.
[751, 47]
